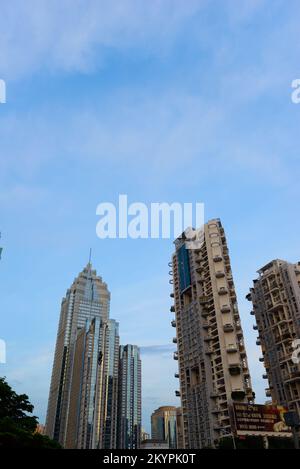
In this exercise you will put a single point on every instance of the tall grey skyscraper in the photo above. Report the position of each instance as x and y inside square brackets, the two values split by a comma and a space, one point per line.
[130, 401]
[213, 368]
[276, 306]
[88, 298]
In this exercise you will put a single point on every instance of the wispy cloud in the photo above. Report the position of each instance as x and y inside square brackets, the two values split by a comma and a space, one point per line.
[75, 35]
[161, 350]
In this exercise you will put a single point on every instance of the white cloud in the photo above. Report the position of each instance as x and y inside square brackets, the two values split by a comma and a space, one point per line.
[66, 35]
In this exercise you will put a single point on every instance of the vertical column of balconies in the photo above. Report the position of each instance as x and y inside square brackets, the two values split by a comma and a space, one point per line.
[277, 330]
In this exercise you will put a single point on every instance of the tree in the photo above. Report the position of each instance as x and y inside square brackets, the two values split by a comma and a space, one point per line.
[17, 426]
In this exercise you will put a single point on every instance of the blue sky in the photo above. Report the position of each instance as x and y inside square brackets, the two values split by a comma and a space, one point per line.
[186, 101]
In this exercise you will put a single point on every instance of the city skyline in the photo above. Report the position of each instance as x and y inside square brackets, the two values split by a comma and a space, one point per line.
[170, 102]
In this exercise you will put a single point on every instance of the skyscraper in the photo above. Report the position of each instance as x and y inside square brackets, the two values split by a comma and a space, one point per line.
[276, 306]
[88, 298]
[213, 368]
[92, 417]
[130, 401]
[164, 425]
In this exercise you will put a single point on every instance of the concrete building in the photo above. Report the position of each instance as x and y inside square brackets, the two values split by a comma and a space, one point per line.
[213, 368]
[130, 398]
[164, 425]
[145, 435]
[154, 444]
[179, 428]
[276, 306]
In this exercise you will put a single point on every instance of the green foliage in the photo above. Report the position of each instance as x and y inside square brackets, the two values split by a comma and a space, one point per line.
[17, 427]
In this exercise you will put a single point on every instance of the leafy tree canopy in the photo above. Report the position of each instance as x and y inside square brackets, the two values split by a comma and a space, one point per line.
[17, 426]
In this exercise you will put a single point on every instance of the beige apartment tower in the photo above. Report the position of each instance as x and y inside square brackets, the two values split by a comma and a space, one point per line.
[211, 354]
[276, 306]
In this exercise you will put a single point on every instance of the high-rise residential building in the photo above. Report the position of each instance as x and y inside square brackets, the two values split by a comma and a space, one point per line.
[164, 425]
[130, 401]
[87, 299]
[276, 306]
[213, 368]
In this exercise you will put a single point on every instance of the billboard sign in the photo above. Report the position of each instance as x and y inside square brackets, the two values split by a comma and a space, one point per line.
[258, 420]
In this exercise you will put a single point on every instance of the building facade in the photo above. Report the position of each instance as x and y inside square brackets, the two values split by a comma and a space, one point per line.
[130, 398]
[276, 306]
[164, 425]
[213, 368]
[87, 299]
[179, 428]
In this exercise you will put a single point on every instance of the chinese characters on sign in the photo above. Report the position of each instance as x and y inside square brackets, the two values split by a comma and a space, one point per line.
[257, 419]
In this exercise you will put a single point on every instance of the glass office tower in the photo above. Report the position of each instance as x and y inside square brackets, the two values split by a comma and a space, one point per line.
[129, 421]
[164, 425]
[88, 298]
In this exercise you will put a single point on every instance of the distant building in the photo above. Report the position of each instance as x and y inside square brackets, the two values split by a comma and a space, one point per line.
[88, 298]
[145, 435]
[40, 429]
[130, 398]
[154, 444]
[163, 425]
[276, 306]
[95, 393]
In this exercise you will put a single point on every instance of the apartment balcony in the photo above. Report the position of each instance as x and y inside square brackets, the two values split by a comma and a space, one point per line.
[265, 376]
[228, 328]
[174, 340]
[172, 309]
[294, 376]
[216, 410]
[238, 395]
[249, 297]
[231, 348]
[261, 359]
[225, 309]
[173, 323]
[258, 342]
[235, 369]
[218, 426]
[268, 393]
[176, 375]
[223, 291]
[255, 327]
[252, 313]
[218, 259]
[203, 300]
[205, 313]
[172, 295]
[209, 351]
[175, 355]
[214, 394]
[208, 338]
[220, 274]
[205, 325]
[177, 393]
